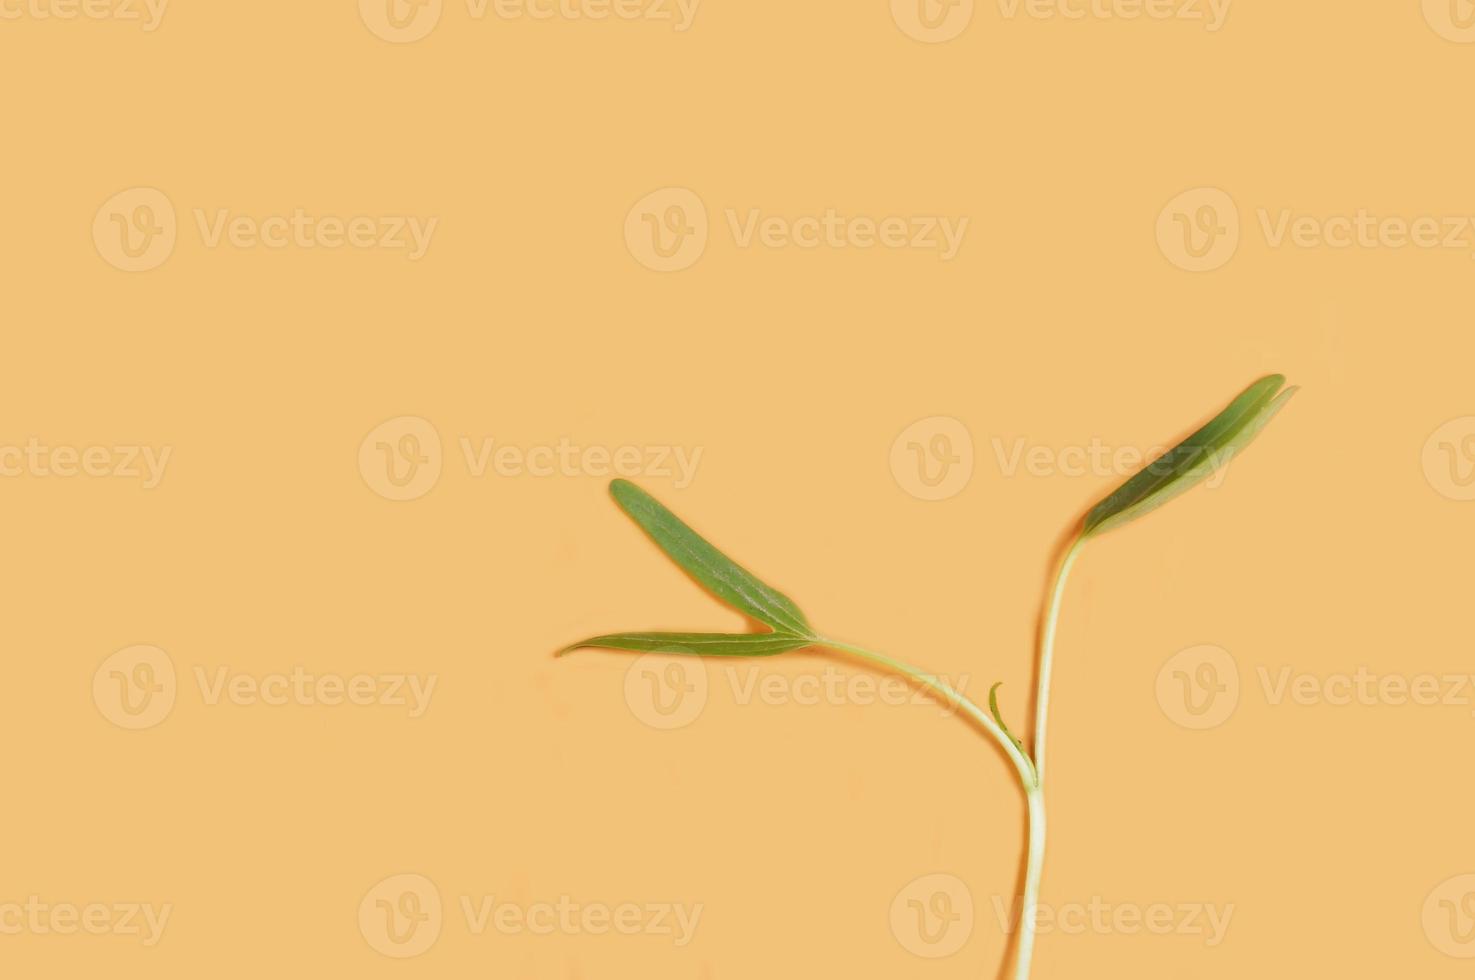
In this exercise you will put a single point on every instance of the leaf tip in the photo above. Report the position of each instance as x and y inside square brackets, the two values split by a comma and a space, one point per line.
[627, 495]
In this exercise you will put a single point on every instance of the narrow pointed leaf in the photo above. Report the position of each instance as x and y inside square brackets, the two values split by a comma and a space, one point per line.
[717, 573]
[993, 706]
[1194, 459]
[698, 644]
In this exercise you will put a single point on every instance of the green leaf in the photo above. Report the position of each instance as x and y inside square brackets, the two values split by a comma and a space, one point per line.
[717, 573]
[1194, 459]
[698, 644]
[993, 706]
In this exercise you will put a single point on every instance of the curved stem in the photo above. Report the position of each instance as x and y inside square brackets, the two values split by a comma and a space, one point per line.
[1034, 864]
[1021, 762]
[1047, 655]
[1031, 773]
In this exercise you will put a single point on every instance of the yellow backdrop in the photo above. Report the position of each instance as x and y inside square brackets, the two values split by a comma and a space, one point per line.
[328, 324]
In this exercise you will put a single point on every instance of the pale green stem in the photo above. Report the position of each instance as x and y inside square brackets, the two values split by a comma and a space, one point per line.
[1047, 655]
[1031, 774]
[1028, 777]
[953, 696]
[1034, 865]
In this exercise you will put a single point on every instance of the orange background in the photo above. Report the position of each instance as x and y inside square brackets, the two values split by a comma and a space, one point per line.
[1336, 543]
